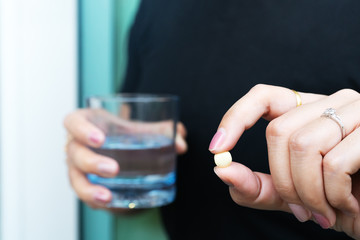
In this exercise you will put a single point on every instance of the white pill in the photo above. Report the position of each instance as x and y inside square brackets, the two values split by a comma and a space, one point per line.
[223, 159]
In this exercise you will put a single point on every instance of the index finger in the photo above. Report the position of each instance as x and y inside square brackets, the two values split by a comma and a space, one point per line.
[80, 128]
[262, 100]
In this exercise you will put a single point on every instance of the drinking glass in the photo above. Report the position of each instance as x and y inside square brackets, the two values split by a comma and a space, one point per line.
[140, 134]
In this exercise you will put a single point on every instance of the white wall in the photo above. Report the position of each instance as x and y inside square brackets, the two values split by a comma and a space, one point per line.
[38, 81]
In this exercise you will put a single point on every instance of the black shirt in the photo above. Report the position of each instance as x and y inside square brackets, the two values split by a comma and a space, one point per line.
[210, 53]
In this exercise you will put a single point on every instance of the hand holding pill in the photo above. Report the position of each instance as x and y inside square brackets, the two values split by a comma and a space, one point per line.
[223, 159]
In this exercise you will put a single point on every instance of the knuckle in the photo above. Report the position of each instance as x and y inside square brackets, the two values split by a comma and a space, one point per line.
[356, 104]
[83, 193]
[299, 142]
[88, 164]
[312, 200]
[73, 118]
[71, 177]
[347, 92]
[69, 119]
[67, 146]
[259, 88]
[337, 201]
[342, 201]
[287, 192]
[333, 170]
[71, 149]
[85, 161]
[276, 128]
[331, 164]
[74, 182]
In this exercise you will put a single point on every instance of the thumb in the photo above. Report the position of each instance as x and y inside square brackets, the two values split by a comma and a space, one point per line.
[251, 189]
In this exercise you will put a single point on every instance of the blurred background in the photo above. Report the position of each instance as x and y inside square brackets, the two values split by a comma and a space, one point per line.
[54, 54]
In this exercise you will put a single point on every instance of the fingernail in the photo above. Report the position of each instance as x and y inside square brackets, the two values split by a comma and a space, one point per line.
[321, 220]
[101, 197]
[217, 139]
[224, 181]
[300, 212]
[96, 137]
[107, 168]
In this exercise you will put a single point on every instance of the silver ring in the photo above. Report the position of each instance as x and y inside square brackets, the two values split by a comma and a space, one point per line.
[331, 113]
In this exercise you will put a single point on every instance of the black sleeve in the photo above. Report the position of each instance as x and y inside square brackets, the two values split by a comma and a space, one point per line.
[133, 67]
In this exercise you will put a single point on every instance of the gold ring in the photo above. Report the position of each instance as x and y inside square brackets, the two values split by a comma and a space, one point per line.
[298, 98]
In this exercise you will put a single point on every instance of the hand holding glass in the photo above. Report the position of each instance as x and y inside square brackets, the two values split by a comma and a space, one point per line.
[140, 135]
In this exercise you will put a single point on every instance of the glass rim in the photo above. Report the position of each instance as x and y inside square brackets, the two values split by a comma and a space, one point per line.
[135, 97]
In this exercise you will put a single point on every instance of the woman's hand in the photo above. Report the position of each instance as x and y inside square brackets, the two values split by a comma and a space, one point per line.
[314, 172]
[81, 160]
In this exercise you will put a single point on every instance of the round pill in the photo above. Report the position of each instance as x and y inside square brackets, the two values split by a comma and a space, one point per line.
[223, 159]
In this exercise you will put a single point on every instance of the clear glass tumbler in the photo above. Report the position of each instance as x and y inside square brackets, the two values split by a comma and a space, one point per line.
[140, 134]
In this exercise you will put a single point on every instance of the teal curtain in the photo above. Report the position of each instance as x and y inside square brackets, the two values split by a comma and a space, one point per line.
[103, 38]
[96, 69]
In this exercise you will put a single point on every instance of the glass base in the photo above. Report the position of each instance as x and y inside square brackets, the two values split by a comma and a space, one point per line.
[142, 198]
